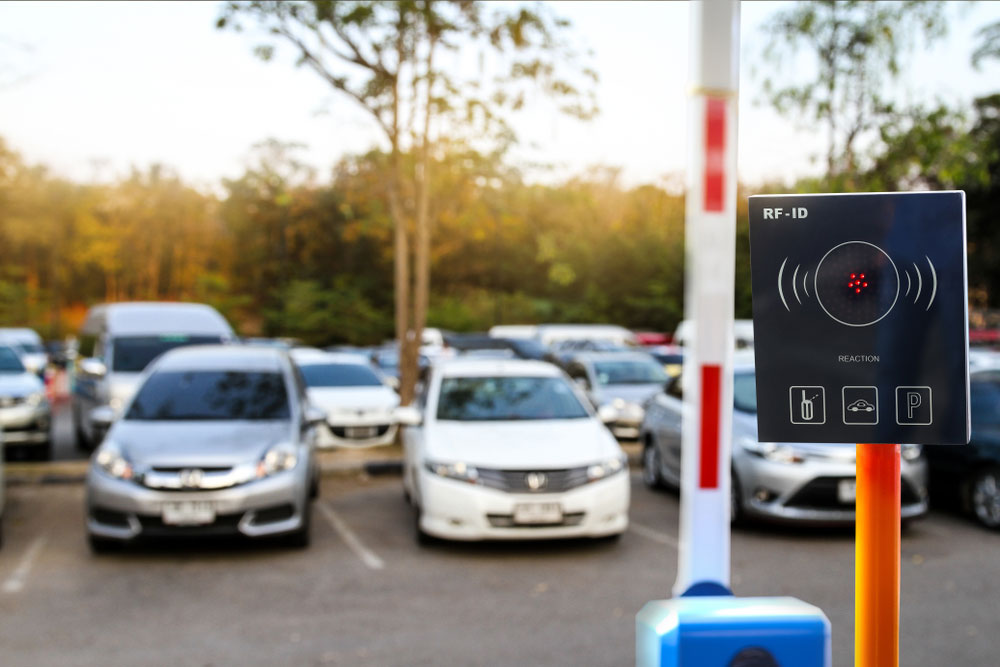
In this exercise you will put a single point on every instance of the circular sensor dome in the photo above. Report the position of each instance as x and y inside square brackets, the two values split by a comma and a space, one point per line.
[856, 283]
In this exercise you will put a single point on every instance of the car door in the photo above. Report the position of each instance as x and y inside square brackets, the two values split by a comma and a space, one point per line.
[670, 406]
[412, 438]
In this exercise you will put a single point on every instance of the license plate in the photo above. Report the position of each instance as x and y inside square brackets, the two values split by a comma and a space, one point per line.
[361, 431]
[188, 513]
[847, 490]
[538, 513]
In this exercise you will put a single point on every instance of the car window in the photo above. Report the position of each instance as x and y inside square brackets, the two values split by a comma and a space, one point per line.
[745, 393]
[211, 395]
[131, 354]
[9, 361]
[508, 398]
[985, 400]
[629, 372]
[339, 375]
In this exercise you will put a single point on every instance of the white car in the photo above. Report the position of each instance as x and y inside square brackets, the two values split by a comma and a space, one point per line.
[25, 414]
[356, 398]
[510, 449]
[28, 345]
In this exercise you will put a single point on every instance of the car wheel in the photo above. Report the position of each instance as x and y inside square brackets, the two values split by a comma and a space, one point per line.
[102, 545]
[300, 538]
[82, 442]
[651, 466]
[984, 497]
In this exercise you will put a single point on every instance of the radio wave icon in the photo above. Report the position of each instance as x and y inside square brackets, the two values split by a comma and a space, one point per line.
[920, 282]
[795, 284]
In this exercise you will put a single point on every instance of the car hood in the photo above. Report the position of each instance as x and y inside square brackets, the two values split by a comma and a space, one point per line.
[630, 393]
[197, 443]
[332, 399]
[19, 384]
[521, 445]
[35, 361]
[745, 426]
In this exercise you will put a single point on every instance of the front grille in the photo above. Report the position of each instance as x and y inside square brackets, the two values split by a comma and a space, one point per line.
[177, 469]
[507, 521]
[821, 493]
[224, 524]
[11, 401]
[533, 481]
[341, 432]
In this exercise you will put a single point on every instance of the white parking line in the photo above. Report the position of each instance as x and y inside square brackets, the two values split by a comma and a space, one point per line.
[15, 582]
[652, 534]
[367, 556]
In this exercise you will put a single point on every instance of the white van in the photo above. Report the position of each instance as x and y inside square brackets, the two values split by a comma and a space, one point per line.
[117, 342]
[550, 334]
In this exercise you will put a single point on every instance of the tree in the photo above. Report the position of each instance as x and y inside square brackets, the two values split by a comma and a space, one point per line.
[387, 57]
[856, 51]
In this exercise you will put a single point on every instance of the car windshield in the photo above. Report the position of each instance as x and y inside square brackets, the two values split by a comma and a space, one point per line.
[339, 375]
[211, 395]
[629, 372]
[9, 361]
[508, 398]
[745, 392]
[131, 354]
[31, 348]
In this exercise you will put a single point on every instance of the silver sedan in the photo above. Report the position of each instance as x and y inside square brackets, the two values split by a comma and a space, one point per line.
[217, 440]
[801, 482]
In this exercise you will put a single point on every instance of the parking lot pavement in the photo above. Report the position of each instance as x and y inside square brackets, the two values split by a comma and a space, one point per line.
[365, 593]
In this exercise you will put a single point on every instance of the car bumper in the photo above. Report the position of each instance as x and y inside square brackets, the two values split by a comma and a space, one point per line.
[456, 510]
[124, 510]
[337, 434]
[809, 492]
[26, 424]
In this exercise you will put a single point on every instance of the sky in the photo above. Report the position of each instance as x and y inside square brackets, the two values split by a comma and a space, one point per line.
[91, 89]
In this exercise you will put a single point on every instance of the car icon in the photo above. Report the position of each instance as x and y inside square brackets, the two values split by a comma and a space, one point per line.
[861, 405]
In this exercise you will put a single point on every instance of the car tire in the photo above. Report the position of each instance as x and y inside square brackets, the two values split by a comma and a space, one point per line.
[651, 465]
[103, 545]
[301, 538]
[984, 497]
[82, 441]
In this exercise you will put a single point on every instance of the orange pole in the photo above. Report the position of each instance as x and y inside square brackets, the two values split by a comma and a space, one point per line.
[877, 557]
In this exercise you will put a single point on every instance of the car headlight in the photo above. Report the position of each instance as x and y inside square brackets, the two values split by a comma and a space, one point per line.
[911, 452]
[277, 459]
[772, 451]
[110, 459]
[37, 398]
[627, 409]
[606, 468]
[459, 471]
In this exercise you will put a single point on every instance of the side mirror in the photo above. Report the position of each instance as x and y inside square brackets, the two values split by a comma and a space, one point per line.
[102, 417]
[313, 416]
[407, 415]
[94, 367]
[607, 413]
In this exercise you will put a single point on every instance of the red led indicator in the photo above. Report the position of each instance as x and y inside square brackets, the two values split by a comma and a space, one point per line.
[857, 282]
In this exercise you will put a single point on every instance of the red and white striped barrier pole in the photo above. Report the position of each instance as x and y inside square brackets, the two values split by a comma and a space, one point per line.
[710, 260]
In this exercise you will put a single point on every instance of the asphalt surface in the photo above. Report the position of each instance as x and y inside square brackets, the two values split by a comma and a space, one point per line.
[365, 593]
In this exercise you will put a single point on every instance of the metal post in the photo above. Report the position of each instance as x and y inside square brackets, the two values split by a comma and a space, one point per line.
[710, 261]
[877, 557]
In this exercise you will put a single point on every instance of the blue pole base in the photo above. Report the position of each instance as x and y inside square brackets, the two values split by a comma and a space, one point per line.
[726, 631]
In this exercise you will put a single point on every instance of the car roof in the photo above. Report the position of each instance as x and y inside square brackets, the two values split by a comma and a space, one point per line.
[311, 355]
[466, 367]
[19, 334]
[222, 358]
[613, 355]
[157, 317]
